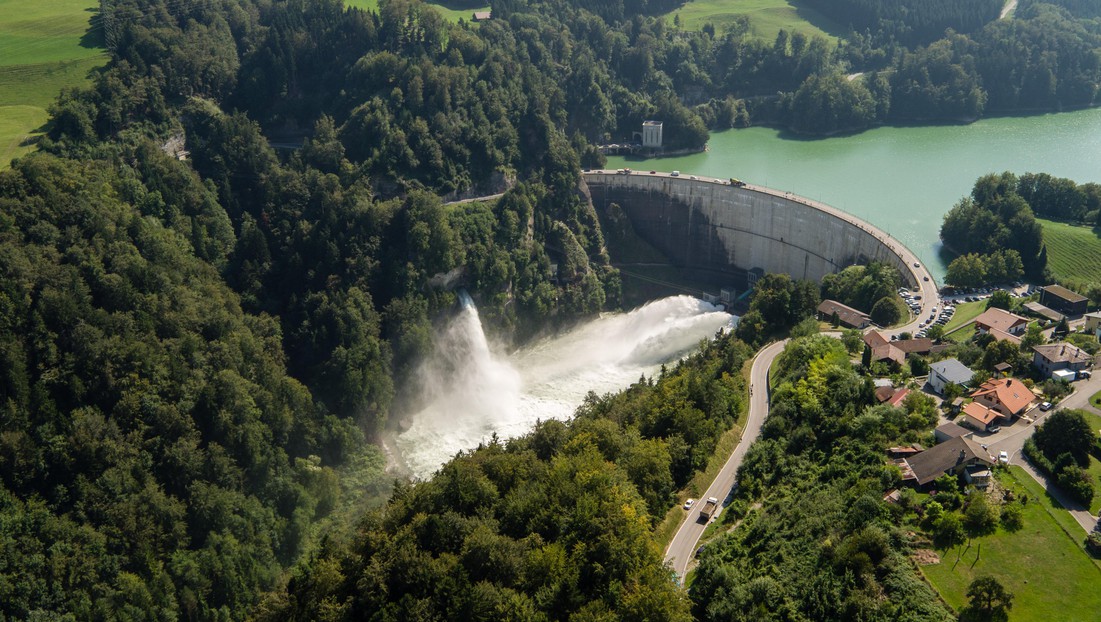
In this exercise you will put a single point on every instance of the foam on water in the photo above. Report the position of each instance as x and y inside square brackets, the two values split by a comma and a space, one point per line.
[474, 393]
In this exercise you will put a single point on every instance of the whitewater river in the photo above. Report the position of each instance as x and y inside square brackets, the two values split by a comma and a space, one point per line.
[903, 179]
[475, 391]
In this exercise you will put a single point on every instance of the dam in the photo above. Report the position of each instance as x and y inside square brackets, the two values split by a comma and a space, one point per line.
[726, 229]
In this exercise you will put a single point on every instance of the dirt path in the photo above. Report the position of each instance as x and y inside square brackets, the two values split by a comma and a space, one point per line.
[1010, 6]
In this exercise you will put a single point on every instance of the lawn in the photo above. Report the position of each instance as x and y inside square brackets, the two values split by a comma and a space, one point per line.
[44, 47]
[1072, 251]
[766, 17]
[1046, 569]
[965, 313]
[1095, 399]
[451, 15]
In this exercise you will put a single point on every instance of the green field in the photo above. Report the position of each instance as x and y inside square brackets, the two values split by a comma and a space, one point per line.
[1045, 568]
[965, 313]
[451, 15]
[766, 17]
[44, 47]
[1073, 252]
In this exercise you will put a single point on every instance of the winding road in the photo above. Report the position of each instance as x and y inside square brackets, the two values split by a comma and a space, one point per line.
[682, 548]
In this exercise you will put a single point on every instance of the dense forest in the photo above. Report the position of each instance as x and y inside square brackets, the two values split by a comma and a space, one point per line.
[994, 234]
[816, 541]
[202, 330]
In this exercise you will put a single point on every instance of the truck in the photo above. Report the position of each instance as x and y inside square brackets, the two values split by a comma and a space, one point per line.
[734, 181]
[707, 512]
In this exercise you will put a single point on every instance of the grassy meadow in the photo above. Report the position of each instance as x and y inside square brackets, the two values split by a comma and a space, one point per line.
[1044, 565]
[766, 17]
[451, 15]
[1073, 251]
[44, 47]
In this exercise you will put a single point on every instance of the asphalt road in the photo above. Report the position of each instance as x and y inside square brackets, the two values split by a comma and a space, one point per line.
[682, 548]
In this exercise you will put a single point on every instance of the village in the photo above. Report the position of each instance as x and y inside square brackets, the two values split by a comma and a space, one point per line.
[995, 378]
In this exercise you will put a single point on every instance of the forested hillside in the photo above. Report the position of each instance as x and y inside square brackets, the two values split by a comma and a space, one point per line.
[200, 335]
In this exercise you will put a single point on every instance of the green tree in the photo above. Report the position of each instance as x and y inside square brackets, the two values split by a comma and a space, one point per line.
[988, 601]
[886, 312]
[1066, 431]
[1000, 299]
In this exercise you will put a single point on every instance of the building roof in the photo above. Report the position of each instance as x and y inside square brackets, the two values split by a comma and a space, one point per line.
[932, 463]
[873, 338]
[921, 345]
[1093, 314]
[845, 313]
[1061, 292]
[952, 430]
[1063, 352]
[953, 371]
[1045, 311]
[888, 353]
[1001, 335]
[482, 15]
[1008, 392]
[651, 123]
[981, 413]
[897, 398]
[882, 394]
[999, 319]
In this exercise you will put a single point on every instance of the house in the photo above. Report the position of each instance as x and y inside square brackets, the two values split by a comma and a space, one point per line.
[884, 349]
[948, 371]
[481, 16]
[1054, 356]
[1093, 323]
[1003, 369]
[981, 418]
[949, 431]
[952, 456]
[849, 316]
[1063, 300]
[882, 394]
[1008, 396]
[995, 319]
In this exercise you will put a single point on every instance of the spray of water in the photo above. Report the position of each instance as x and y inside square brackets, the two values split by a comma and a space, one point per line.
[473, 393]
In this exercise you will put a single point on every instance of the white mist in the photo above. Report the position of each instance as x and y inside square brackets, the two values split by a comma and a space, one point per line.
[474, 393]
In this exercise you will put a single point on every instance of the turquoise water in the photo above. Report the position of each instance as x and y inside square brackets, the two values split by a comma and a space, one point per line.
[902, 179]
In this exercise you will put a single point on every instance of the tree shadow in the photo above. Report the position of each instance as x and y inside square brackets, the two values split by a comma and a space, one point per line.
[815, 17]
[92, 38]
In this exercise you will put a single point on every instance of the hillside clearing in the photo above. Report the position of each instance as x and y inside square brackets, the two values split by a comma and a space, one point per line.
[1073, 251]
[766, 17]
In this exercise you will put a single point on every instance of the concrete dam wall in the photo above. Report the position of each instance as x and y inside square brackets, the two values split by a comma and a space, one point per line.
[711, 225]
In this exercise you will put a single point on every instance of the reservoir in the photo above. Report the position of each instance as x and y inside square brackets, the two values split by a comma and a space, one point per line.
[901, 179]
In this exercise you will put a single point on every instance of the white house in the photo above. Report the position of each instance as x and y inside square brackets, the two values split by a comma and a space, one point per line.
[949, 370]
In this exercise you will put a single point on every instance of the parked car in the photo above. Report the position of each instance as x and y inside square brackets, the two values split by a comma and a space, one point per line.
[1046, 406]
[688, 504]
[1003, 457]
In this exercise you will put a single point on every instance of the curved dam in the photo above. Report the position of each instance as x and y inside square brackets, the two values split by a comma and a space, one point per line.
[714, 226]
